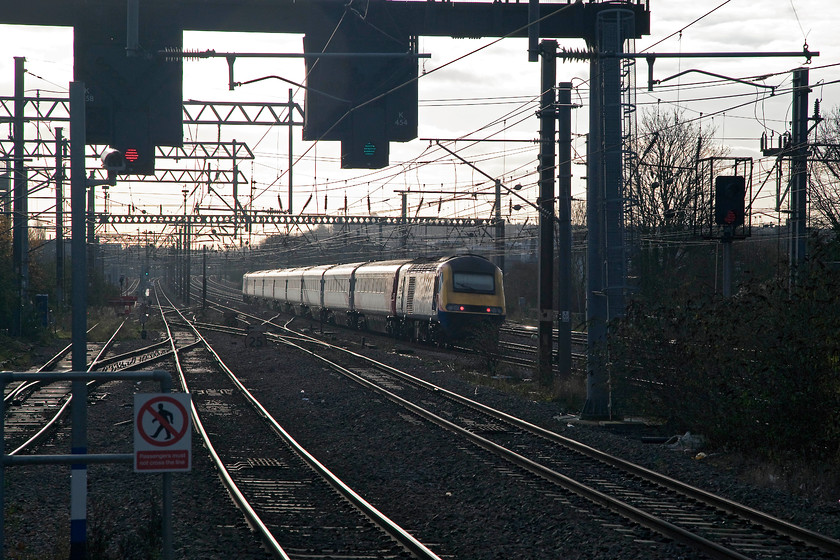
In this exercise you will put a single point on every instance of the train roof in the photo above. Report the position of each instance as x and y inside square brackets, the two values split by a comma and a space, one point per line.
[433, 260]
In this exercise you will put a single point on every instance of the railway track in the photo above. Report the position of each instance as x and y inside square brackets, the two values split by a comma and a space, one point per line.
[522, 354]
[299, 507]
[634, 502]
[35, 409]
[701, 520]
[33, 422]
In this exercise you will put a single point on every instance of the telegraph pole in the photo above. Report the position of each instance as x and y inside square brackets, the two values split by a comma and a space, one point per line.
[548, 116]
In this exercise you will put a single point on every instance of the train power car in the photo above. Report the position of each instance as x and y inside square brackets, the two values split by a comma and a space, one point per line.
[449, 300]
[458, 300]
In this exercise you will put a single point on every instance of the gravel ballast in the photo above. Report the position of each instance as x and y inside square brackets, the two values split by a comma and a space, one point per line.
[360, 437]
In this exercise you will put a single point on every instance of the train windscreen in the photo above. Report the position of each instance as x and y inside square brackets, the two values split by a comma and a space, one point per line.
[472, 282]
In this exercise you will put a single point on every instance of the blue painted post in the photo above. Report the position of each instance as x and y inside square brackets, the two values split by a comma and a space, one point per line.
[78, 186]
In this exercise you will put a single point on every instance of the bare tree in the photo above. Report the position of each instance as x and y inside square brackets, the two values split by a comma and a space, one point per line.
[667, 184]
[663, 207]
[824, 186]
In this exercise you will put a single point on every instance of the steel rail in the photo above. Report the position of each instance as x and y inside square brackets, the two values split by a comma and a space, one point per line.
[63, 410]
[395, 531]
[773, 523]
[242, 503]
[131, 354]
[770, 522]
[107, 346]
[622, 508]
[48, 366]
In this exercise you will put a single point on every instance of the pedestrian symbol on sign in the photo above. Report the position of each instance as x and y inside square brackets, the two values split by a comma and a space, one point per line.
[165, 423]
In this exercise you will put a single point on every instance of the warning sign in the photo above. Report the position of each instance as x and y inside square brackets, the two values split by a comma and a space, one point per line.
[162, 432]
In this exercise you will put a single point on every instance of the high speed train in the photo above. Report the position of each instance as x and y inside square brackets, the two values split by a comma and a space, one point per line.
[446, 300]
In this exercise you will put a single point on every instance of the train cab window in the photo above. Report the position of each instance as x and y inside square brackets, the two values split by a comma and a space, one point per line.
[472, 282]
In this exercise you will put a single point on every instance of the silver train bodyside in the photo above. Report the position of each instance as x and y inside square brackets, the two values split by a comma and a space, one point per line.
[449, 300]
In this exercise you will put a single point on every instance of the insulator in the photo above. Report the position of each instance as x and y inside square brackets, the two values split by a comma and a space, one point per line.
[195, 54]
[174, 54]
[575, 54]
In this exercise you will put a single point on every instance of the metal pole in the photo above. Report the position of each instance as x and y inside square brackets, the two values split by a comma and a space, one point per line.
[20, 242]
[166, 489]
[183, 240]
[799, 172]
[404, 225]
[132, 28]
[2, 471]
[727, 265]
[204, 277]
[188, 262]
[78, 184]
[596, 302]
[6, 190]
[605, 283]
[291, 137]
[91, 228]
[235, 197]
[533, 30]
[59, 215]
[500, 228]
[612, 34]
[147, 271]
[548, 117]
[564, 242]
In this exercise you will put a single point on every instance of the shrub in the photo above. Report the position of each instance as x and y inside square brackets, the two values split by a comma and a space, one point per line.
[758, 371]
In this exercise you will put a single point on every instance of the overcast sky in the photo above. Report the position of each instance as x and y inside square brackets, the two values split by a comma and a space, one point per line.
[490, 93]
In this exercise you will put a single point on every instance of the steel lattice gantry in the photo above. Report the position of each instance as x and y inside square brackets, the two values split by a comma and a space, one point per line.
[274, 218]
[57, 109]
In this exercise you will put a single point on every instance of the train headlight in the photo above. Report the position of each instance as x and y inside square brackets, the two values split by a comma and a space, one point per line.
[473, 308]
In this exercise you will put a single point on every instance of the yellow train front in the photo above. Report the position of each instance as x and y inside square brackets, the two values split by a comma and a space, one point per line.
[456, 300]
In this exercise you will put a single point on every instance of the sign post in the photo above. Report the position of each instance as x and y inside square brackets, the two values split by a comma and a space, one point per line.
[162, 432]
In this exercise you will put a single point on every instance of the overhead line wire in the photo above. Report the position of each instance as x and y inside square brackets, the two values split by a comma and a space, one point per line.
[679, 31]
[433, 70]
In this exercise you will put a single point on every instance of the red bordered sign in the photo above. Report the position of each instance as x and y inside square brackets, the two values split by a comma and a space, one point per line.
[162, 432]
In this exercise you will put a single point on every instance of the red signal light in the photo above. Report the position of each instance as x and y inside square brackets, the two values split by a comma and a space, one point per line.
[488, 310]
[131, 155]
[461, 308]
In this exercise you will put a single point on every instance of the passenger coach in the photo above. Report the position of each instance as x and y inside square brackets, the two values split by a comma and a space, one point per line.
[448, 300]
